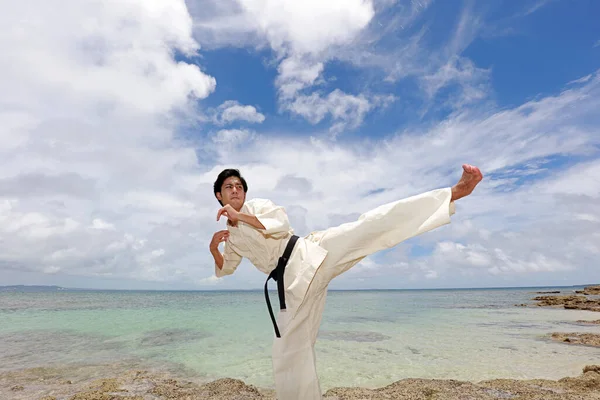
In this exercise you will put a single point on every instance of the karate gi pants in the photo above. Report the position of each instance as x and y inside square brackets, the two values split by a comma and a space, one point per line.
[294, 360]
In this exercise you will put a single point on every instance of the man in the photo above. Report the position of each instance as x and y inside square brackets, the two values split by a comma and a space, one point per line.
[260, 231]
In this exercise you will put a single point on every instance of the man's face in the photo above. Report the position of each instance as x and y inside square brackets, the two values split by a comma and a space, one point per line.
[232, 192]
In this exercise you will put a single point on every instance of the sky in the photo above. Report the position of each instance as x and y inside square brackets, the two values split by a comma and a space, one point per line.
[117, 116]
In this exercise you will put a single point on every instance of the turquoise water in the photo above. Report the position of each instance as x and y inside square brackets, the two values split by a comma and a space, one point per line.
[368, 338]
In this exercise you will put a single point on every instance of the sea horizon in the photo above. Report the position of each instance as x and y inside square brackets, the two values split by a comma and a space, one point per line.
[329, 290]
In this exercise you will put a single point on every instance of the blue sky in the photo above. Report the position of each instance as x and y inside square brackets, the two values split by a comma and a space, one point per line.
[527, 55]
[112, 135]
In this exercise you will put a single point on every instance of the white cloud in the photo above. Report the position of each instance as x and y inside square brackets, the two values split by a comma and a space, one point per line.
[343, 108]
[301, 35]
[581, 80]
[346, 111]
[296, 74]
[472, 81]
[232, 111]
[232, 136]
[308, 27]
[533, 7]
[94, 182]
[98, 223]
[597, 44]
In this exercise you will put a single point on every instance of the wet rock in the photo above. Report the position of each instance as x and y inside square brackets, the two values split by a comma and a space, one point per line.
[589, 290]
[556, 291]
[570, 302]
[588, 339]
[596, 322]
[591, 368]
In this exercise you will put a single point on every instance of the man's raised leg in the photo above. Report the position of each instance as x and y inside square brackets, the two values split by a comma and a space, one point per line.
[390, 224]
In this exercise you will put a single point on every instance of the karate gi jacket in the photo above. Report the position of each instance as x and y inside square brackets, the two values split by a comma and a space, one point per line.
[263, 247]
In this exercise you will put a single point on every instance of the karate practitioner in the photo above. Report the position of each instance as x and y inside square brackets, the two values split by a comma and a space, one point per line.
[260, 231]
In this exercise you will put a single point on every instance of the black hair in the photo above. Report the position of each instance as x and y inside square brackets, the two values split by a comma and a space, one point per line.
[228, 173]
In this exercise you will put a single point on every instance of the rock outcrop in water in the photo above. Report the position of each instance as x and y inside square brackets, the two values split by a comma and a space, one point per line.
[575, 302]
[596, 322]
[589, 339]
[141, 385]
[571, 302]
[590, 290]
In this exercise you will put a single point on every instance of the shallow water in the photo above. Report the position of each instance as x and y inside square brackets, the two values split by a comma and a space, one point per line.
[368, 338]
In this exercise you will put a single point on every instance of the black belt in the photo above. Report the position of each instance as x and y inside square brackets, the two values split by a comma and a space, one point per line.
[277, 276]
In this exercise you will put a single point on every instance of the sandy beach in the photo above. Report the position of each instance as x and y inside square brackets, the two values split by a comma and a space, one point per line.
[120, 381]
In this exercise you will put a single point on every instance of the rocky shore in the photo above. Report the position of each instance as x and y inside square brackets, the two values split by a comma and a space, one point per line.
[581, 301]
[588, 339]
[50, 384]
[590, 290]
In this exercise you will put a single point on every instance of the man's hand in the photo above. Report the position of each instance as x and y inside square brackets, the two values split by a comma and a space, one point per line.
[230, 213]
[221, 236]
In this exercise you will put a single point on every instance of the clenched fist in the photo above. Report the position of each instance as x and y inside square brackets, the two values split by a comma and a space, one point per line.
[231, 214]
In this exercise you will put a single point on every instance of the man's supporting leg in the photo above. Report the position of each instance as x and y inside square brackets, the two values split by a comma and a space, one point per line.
[294, 361]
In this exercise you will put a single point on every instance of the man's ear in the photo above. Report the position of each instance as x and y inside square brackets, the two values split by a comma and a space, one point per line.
[219, 197]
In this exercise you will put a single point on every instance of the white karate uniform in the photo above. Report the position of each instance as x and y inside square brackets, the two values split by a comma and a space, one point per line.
[315, 261]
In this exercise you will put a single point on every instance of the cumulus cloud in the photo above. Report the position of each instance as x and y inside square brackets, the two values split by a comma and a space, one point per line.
[232, 111]
[93, 178]
[289, 27]
[301, 35]
[232, 136]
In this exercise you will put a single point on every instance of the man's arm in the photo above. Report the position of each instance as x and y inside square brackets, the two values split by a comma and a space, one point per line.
[225, 263]
[265, 216]
[251, 220]
[217, 238]
[272, 219]
[218, 257]
[234, 216]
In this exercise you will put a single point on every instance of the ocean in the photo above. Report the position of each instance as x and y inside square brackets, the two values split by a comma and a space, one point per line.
[367, 338]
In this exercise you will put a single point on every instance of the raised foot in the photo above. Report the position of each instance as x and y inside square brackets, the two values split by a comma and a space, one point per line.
[470, 178]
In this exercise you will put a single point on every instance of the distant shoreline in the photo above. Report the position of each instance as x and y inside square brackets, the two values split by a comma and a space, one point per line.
[54, 288]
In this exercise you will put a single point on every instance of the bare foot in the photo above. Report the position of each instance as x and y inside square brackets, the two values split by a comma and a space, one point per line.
[470, 178]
